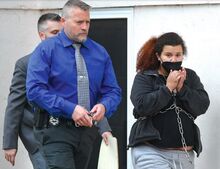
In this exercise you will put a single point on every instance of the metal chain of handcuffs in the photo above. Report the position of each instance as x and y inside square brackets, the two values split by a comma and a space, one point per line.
[178, 110]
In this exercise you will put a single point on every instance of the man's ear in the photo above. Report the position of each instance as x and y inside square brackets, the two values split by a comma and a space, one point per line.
[62, 20]
[42, 35]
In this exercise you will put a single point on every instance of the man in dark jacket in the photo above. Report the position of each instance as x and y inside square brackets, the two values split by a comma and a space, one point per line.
[18, 116]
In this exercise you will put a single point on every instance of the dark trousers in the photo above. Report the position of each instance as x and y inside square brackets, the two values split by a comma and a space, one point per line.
[66, 146]
[60, 144]
[84, 151]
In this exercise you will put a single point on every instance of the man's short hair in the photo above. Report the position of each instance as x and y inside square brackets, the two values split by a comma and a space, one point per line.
[41, 24]
[74, 3]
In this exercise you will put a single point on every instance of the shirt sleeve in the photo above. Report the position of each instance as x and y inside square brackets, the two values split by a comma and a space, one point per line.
[38, 86]
[110, 90]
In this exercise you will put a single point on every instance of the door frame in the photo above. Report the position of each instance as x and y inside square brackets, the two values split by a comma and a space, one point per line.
[127, 13]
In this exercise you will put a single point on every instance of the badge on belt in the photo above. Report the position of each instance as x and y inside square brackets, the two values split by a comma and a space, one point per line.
[54, 121]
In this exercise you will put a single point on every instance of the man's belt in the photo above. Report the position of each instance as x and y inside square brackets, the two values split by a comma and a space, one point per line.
[55, 121]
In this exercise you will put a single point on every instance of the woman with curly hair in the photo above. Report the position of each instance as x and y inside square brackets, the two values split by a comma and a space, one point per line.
[166, 98]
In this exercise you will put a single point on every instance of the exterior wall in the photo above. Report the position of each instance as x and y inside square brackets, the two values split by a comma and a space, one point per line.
[198, 25]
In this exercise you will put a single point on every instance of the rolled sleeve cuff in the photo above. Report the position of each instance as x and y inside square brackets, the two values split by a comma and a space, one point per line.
[68, 108]
[106, 105]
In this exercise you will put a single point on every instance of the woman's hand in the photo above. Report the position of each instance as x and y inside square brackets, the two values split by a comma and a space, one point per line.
[173, 80]
[181, 79]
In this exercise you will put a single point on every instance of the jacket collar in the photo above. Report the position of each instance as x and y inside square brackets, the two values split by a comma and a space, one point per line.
[151, 73]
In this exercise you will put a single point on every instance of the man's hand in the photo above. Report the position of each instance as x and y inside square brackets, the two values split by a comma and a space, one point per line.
[10, 155]
[105, 136]
[98, 112]
[81, 117]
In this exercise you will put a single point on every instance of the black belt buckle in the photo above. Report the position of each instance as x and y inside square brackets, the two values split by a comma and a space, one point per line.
[54, 121]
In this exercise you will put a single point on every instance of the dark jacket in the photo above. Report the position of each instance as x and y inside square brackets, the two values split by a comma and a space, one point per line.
[18, 116]
[150, 95]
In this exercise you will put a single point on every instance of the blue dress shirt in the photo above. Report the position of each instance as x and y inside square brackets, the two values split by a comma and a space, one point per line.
[52, 78]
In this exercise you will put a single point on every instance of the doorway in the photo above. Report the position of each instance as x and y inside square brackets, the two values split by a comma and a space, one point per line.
[112, 34]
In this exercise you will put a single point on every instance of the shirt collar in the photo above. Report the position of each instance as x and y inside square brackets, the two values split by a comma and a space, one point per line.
[68, 42]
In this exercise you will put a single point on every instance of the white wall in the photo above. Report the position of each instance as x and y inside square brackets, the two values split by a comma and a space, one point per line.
[198, 25]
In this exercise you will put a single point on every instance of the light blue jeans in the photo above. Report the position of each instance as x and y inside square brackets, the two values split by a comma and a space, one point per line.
[38, 160]
[149, 157]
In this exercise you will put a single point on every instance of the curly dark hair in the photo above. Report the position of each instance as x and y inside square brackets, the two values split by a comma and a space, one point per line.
[146, 57]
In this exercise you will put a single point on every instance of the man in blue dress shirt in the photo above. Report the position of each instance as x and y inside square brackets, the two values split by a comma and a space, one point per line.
[52, 85]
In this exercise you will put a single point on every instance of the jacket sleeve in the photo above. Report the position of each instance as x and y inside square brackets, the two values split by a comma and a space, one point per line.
[15, 107]
[193, 96]
[147, 98]
[103, 126]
